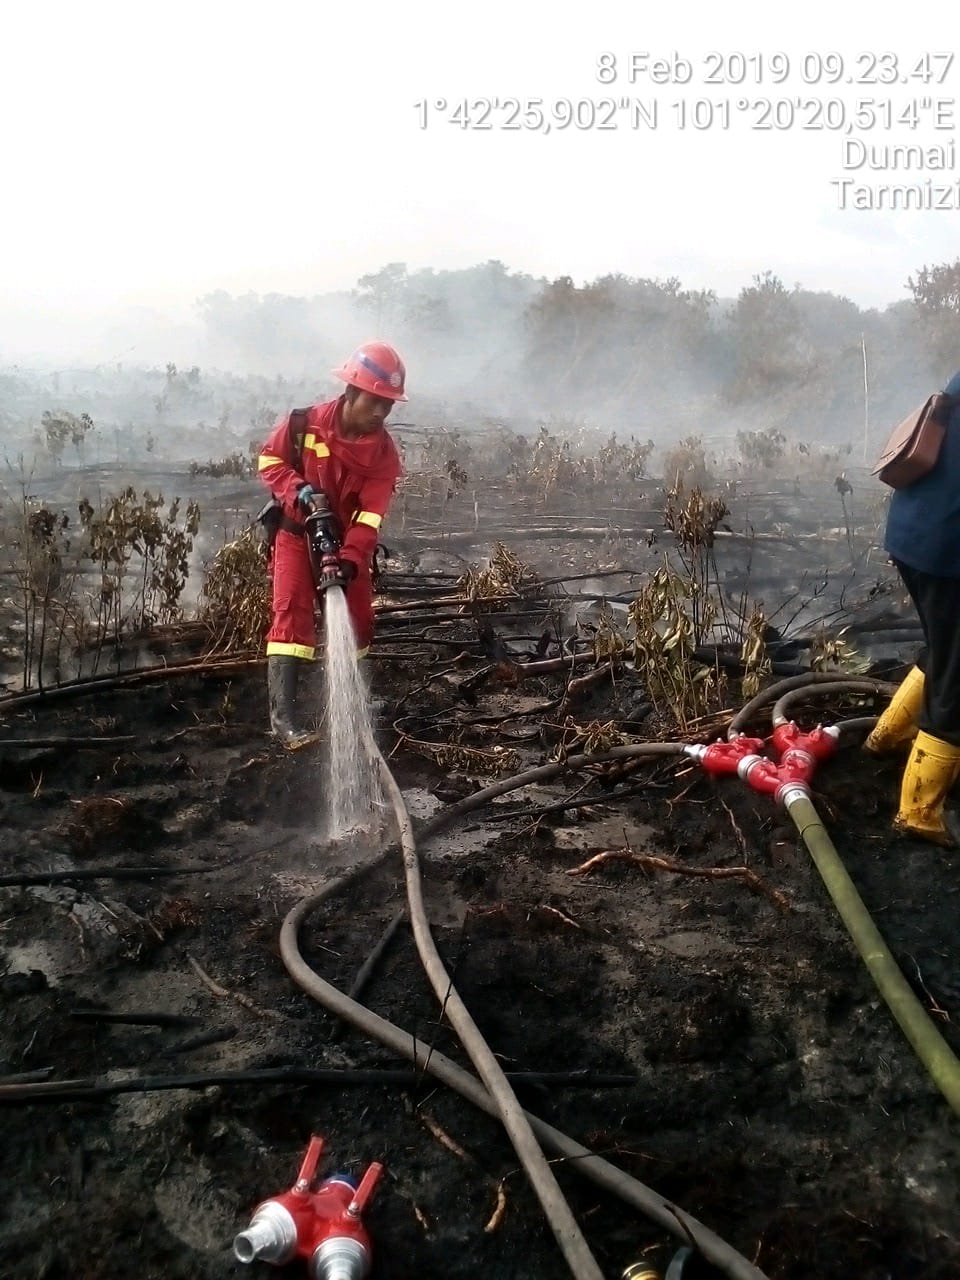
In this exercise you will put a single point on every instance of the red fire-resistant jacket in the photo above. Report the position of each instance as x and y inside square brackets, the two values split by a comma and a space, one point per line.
[358, 476]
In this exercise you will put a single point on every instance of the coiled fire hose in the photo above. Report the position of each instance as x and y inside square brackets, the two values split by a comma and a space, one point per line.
[939, 1060]
[497, 1098]
[494, 1095]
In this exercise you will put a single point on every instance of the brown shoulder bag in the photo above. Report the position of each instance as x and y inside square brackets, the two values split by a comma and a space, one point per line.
[914, 446]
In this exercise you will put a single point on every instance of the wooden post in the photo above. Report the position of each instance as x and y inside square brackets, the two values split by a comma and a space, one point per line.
[866, 400]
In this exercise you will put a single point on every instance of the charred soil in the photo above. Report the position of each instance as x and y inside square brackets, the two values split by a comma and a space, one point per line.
[773, 1096]
[770, 1093]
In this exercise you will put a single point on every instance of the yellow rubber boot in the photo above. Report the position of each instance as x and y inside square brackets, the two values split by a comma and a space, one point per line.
[930, 773]
[898, 724]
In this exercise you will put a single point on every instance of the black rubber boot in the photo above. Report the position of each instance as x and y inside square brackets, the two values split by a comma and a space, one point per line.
[283, 677]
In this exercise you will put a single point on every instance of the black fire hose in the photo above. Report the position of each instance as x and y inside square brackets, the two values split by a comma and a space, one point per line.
[776, 692]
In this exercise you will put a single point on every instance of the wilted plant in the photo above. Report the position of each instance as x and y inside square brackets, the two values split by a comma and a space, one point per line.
[686, 463]
[141, 554]
[235, 596]
[590, 739]
[835, 653]
[457, 477]
[505, 576]
[694, 518]
[235, 464]
[549, 467]
[666, 615]
[608, 640]
[459, 759]
[619, 462]
[753, 653]
[37, 543]
[430, 488]
[140, 557]
[440, 447]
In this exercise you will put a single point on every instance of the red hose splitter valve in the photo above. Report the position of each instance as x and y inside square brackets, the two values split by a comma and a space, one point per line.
[322, 1226]
[799, 753]
[725, 757]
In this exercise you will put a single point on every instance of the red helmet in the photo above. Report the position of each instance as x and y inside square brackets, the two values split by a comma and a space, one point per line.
[377, 368]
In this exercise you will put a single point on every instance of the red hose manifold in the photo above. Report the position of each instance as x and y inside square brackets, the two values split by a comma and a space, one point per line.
[322, 1226]
[725, 757]
[820, 743]
[799, 753]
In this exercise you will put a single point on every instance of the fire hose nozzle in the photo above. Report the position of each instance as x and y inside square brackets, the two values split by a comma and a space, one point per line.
[324, 538]
[340, 1258]
[279, 1224]
[270, 1237]
[340, 1245]
[330, 573]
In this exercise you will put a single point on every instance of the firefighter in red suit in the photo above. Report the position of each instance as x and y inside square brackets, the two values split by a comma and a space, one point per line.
[343, 450]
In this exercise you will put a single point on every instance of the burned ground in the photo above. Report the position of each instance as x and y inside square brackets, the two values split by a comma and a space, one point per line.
[771, 1093]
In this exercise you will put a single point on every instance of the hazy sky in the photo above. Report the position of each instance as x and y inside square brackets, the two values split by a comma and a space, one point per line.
[150, 153]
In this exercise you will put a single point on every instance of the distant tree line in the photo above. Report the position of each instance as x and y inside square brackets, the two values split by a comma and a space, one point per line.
[620, 347]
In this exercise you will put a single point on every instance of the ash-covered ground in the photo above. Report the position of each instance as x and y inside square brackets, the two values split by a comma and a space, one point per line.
[771, 1094]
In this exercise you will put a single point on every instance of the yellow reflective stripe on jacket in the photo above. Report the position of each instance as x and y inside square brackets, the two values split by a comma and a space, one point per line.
[268, 460]
[290, 650]
[368, 517]
[316, 446]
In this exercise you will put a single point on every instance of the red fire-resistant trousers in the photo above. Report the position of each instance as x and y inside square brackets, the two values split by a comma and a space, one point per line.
[293, 630]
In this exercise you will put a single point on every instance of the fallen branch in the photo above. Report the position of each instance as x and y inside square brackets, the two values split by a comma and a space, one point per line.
[368, 966]
[499, 1210]
[145, 1019]
[559, 806]
[223, 994]
[529, 713]
[562, 915]
[441, 1135]
[20, 878]
[26, 1088]
[76, 744]
[422, 688]
[215, 1035]
[459, 759]
[533, 609]
[650, 863]
[740, 837]
[143, 675]
[27, 1077]
[458, 602]
[451, 1144]
[580, 685]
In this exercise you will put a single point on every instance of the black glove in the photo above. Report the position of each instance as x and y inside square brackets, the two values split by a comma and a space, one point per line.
[348, 570]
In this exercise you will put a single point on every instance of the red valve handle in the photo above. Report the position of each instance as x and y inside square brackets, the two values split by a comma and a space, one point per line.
[365, 1190]
[308, 1169]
